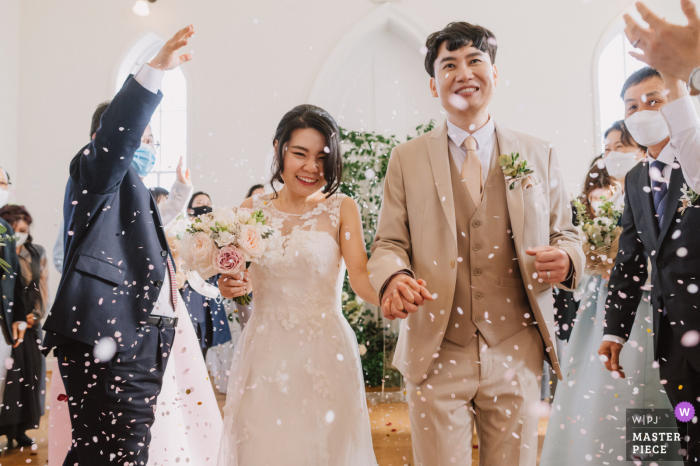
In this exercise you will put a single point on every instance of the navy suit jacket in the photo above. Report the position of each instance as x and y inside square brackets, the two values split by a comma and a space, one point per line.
[12, 309]
[674, 252]
[115, 248]
[208, 316]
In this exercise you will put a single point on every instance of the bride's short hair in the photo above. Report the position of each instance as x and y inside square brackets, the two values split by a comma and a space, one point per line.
[310, 116]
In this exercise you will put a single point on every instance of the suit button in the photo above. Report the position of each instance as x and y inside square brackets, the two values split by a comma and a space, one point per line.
[159, 283]
[452, 264]
[478, 296]
[661, 264]
[163, 253]
[477, 247]
[478, 319]
[476, 224]
[477, 272]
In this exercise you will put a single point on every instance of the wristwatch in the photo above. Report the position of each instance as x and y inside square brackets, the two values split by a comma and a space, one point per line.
[694, 80]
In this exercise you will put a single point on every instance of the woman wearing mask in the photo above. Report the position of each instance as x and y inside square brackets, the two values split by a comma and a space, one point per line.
[203, 301]
[589, 406]
[622, 153]
[24, 397]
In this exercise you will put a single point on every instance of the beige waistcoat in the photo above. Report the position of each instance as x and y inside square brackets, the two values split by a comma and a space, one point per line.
[489, 296]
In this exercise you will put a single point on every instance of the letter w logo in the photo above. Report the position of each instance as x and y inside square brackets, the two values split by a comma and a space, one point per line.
[638, 419]
[684, 411]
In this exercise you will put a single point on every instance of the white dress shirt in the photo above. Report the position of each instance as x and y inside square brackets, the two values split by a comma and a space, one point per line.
[684, 126]
[667, 156]
[151, 79]
[485, 142]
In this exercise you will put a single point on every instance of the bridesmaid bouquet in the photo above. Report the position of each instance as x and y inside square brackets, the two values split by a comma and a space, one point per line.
[601, 236]
[226, 240]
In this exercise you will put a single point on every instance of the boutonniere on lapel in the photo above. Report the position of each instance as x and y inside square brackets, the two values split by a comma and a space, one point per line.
[515, 170]
[689, 196]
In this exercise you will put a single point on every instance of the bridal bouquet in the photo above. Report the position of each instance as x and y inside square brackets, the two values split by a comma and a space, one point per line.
[226, 240]
[601, 236]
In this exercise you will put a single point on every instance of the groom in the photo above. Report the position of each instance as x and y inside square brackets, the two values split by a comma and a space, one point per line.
[490, 248]
[116, 287]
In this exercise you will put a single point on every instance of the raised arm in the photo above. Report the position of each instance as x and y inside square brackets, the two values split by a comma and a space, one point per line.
[179, 195]
[352, 247]
[101, 166]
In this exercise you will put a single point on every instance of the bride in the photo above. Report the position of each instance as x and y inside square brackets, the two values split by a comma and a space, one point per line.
[296, 393]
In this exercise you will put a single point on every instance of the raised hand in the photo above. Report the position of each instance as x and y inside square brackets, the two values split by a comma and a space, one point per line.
[168, 57]
[404, 295]
[552, 263]
[183, 176]
[611, 356]
[670, 48]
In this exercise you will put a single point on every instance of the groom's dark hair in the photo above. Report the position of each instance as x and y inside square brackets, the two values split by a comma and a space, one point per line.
[458, 35]
[310, 116]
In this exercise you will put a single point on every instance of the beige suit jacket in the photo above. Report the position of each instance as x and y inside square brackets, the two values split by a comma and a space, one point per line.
[417, 231]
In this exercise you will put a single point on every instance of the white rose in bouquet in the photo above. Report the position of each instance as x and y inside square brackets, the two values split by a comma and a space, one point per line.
[225, 239]
[251, 243]
[244, 216]
[197, 252]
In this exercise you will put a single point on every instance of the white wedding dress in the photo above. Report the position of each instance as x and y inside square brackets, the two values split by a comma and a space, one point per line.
[296, 394]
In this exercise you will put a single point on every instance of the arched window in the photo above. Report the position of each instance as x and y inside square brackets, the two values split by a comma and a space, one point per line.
[615, 64]
[169, 122]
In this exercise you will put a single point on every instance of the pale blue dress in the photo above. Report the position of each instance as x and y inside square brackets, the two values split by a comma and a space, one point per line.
[587, 420]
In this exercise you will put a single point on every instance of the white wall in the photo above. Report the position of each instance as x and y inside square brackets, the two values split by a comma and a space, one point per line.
[246, 74]
[9, 76]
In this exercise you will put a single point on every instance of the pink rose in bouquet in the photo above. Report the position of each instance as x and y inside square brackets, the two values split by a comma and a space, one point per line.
[228, 260]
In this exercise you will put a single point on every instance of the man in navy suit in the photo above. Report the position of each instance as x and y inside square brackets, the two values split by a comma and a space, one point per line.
[118, 287]
[658, 227]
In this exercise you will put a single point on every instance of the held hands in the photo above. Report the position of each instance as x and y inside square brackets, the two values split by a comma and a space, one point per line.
[404, 295]
[183, 176]
[611, 351]
[671, 49]
[168, 57]
[233, 286]
[552, 263]
[18, 329]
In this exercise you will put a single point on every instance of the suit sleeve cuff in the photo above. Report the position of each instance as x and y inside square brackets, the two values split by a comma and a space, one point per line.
[150, 78]
[403, 272]
[614, 338]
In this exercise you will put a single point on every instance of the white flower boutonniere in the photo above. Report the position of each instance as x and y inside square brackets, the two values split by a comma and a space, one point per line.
[689, 196]
[514, 169]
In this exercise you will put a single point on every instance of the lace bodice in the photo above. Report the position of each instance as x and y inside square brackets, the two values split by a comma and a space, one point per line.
[300, 276]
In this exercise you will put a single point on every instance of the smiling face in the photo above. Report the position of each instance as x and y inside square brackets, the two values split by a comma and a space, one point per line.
[615, 143]
[465, 81]
[304, 155]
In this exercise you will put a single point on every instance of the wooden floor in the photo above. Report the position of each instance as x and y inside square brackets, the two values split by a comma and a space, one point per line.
[391, 434]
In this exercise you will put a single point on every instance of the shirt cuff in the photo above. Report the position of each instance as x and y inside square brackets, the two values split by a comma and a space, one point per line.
[150, 78]
[614, 339]
[680, 116]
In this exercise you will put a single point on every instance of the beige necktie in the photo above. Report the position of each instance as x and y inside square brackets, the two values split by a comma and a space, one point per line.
[471, 171]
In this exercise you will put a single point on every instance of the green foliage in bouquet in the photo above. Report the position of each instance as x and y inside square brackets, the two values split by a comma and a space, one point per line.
[600, 230]
[365, 161]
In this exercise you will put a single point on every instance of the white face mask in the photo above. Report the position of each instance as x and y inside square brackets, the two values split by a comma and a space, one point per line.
[647, 127]
[22, 238]
[619, 163]
[4, 195]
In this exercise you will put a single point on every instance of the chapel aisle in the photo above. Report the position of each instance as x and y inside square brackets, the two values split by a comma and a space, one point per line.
[391, 434]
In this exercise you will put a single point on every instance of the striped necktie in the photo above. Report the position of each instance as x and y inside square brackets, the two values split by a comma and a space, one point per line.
[173, 282]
